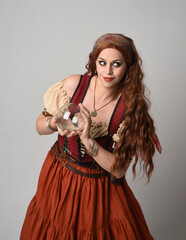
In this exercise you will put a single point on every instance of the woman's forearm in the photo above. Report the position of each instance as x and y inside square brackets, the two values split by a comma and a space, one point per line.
[41, 125]
[106, 159]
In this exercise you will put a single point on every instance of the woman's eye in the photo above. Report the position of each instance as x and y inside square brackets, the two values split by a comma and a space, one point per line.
[116, 64]
[102, 63]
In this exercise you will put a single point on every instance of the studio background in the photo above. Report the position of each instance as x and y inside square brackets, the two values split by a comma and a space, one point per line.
[44, 41]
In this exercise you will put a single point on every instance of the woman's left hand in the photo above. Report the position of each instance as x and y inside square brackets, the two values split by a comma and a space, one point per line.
[84, 134]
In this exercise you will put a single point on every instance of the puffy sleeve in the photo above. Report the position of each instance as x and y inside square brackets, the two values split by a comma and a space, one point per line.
[55, 97]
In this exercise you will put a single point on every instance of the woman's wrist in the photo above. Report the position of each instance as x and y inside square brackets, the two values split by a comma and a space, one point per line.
[48, 124]
[92, 147]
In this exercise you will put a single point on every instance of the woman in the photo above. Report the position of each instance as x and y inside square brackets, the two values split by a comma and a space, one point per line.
[82, 191]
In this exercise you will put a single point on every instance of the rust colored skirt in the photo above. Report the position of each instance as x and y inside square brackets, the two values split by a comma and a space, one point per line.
[70, 206]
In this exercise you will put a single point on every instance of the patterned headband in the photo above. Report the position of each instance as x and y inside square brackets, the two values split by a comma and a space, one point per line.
[115, 39]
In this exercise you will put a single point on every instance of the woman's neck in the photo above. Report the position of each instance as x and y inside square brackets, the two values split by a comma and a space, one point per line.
[103, 93]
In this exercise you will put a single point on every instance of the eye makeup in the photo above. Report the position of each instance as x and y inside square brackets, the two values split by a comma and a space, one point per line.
[115, 63]
[102, 63]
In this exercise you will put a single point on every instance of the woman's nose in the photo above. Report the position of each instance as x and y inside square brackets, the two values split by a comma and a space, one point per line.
[109, 69]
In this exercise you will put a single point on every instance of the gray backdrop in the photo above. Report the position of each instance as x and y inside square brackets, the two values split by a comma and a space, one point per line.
[44, 41]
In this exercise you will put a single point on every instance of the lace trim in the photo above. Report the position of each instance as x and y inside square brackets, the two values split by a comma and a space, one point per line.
[99, 129]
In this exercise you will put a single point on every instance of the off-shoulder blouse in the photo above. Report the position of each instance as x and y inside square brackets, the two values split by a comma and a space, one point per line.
[56, 96]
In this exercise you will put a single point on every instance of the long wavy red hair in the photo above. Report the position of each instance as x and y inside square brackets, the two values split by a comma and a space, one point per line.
[138, 131]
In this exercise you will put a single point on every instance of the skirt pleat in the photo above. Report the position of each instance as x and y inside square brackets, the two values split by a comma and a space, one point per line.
[74, 207]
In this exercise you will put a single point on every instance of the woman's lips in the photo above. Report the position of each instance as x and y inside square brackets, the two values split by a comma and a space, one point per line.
[107, 79]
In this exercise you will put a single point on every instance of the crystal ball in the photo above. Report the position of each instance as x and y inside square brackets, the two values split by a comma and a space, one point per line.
[69, 117]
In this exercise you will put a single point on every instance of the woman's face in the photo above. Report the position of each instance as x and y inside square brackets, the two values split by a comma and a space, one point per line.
[110, 66]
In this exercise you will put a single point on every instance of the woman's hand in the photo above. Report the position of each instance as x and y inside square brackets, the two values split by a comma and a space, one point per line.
[66, 133]
[84, 134]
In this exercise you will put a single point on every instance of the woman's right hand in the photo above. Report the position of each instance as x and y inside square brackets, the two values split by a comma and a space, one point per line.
[41, 126]
[61, 132]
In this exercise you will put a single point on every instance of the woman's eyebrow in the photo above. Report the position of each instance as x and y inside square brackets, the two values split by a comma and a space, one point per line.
[101, 58]
[112, 60]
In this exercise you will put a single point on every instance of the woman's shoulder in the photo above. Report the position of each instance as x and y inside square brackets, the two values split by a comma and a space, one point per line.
[60, 93]
[70, 83]
[67, 84]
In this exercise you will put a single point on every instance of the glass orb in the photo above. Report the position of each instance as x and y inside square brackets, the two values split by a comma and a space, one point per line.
[69, 117]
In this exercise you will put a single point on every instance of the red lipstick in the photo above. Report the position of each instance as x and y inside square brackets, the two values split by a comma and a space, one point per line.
[107, 79]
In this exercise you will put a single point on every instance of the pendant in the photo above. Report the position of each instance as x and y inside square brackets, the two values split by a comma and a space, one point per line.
[93, 113]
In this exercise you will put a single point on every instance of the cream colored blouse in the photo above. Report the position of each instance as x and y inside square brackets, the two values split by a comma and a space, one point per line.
[56, 96]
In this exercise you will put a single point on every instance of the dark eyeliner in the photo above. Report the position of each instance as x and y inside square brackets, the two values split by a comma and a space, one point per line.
[116, 64]
[102, 63]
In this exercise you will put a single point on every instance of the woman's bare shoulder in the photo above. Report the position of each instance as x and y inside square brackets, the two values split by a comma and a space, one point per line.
[70, 83]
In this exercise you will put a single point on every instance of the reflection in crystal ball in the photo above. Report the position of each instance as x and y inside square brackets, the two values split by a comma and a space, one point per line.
[69, 117]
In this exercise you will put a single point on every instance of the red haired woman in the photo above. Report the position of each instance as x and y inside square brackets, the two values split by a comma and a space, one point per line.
[82, 192]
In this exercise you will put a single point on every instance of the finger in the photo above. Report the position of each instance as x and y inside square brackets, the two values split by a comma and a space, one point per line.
[86, 117]
[80, 131]
[85, 112]
[71, 134]
[63, 132]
